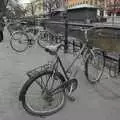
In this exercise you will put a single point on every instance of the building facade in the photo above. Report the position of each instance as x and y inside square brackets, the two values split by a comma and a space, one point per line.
[72, 3]
[100, 4]
[113, 7]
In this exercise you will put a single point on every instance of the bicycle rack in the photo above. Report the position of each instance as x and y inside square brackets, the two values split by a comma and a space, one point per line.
[115, 66]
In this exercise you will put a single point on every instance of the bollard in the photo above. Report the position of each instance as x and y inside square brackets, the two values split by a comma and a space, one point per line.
[73, 46]
[119, 64]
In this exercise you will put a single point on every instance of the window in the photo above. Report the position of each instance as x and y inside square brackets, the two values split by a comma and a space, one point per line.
[95, 2]
[118, 14]
[91, 2]
[86, 2]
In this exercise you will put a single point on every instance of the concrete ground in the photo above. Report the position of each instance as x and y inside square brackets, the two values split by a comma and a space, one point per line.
[98, 102]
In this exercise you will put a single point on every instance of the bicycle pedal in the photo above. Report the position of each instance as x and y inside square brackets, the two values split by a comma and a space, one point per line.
[30, 45]
[71, 98]
[74, 84]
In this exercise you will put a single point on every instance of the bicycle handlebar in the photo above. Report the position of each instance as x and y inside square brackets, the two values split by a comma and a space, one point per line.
[83, 29]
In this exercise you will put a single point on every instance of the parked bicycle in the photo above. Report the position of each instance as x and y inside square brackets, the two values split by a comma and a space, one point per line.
[112, 63]
[92, 57]
[22, 40]
[48, 86]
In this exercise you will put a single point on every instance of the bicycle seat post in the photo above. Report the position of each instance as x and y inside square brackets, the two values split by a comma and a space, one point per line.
[85, 32]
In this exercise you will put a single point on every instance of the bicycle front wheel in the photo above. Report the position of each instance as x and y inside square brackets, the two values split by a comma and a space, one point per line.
[94, 66]
[36, 96]
[19, 41]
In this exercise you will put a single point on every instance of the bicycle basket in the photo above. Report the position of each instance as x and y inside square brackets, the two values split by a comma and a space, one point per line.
[37, 70]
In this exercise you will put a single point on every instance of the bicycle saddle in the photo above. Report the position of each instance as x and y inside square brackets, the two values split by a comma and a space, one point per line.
[52, 49]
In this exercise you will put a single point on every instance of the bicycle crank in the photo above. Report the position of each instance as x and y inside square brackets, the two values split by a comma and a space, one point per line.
[68, 86]
[71, 87]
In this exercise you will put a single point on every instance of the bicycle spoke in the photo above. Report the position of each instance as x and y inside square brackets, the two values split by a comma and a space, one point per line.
[42, 82]
[57, 91]
[38, 83]
[39, 102]
[47, 78]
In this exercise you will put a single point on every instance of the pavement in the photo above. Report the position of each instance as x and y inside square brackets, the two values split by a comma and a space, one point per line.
[93, 102]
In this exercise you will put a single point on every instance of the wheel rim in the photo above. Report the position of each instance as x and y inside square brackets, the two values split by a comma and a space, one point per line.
[95, 66]
[43, 39]
[19, 42]
[37, 99]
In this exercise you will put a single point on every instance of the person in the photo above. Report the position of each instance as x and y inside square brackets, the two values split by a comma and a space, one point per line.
[3, 4]
[2, 24]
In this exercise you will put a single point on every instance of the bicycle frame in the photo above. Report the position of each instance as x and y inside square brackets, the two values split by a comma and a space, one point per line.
[32, 35]
[59, 61]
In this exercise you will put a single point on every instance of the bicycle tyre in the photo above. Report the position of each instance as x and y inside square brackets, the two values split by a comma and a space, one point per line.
[43, 39]
[24, 91]
[97, 57]
[22, 44]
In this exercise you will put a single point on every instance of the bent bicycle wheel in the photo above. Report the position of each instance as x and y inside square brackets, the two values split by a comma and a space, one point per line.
[19, 41]
[94, 66]
[36, 97]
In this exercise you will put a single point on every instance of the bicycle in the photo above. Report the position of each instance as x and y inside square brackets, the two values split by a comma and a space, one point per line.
[54, 83]
[95, 61]
[21, 40]
[113, 65]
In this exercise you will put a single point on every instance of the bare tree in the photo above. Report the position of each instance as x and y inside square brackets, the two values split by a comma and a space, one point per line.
[50, 5]
[3, 4]
[34, 6]
[113, 6]
[16, 8]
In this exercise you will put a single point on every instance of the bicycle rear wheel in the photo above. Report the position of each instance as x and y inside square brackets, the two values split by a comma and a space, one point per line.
[19, 41]
[43, 39]
[36, 97]
[94, 66]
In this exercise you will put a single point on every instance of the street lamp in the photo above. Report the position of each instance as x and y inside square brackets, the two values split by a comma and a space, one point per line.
[66, 25]
[114, 6]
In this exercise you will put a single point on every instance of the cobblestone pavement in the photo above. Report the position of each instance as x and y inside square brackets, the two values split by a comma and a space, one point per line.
[99, 102]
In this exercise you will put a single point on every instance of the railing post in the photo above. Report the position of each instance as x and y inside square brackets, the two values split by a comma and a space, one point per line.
[73, 46]
[119, 64]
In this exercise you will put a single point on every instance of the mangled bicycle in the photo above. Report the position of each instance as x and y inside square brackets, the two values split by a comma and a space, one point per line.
[48, 86]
